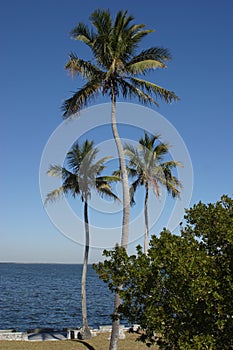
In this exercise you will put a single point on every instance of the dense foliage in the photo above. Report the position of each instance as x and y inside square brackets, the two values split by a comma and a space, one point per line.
[181, 293]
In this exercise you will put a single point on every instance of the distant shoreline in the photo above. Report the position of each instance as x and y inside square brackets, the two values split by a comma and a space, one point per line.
[40, 263]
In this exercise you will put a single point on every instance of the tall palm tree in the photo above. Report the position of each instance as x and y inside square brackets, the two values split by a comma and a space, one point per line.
[148, 168]
[117, 69]
[83, 177]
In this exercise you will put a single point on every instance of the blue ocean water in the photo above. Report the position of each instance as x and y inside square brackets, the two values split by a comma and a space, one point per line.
[48, 295]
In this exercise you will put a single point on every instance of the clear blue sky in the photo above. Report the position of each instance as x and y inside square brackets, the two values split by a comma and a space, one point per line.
[35, 44]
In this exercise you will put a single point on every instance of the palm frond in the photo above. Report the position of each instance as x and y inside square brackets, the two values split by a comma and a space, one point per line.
[80, 99]
[146, 147]
[133, 188]
[117, 173]
[91, 168]
[143, 67]
[173, 186]
[78, 154]
[161, 150]
[154, 184]
[134, 157]
[83, 33]
[86, 148]
[171, 182]
[73, 185]
[109, 178]
[156, 54]
[120, 39]
[85, 68]
[148, 141]
[101, 48]
[137, 37]
[58, 171]
[121, 22]
[131, 90]
[89, 154]
[131, 42]
[105, 191]
[102, 185]
[132, 172]
[171, 164]
[128, 147]
[101, 20]
[126, 37]
[134, 28]
[54, 195]
[55, 170]
[155, 89]
[101, 162]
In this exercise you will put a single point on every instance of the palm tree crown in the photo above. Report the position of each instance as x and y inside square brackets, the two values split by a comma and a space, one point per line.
[147, 165]
[84, 174]
[116, 63]
[148, 168]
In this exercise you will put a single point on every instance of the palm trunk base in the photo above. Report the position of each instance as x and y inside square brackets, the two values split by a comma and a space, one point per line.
[114, 335]
[115, 324]
[85, 333]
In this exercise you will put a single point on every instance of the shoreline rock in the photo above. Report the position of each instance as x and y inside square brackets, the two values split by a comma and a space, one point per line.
[45, 334]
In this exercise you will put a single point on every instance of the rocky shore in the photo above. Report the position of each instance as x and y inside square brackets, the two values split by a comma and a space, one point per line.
[43, 334]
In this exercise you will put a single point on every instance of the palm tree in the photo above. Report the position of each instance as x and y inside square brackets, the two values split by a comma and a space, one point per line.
[146, 164]
[83, 177]
[117, 69]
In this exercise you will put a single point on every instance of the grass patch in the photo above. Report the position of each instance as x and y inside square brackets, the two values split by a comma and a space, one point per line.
[100, 342]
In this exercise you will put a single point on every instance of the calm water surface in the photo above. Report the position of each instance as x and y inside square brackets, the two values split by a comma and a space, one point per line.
[48, 295]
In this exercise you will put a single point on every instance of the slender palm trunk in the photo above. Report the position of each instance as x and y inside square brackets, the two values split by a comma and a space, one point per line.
[125, 221]
[86, 334]
[124, 175]
[146, 220]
